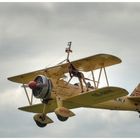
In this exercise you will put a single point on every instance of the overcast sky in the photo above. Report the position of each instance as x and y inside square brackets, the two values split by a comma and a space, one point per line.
[35, 35]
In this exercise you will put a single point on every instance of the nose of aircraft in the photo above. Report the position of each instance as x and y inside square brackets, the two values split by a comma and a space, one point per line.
[32, 84]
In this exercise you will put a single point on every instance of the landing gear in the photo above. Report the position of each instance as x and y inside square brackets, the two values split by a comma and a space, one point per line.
[139, 113]
[63, 113]
[61, 118]
[39, 124]
[41, 120]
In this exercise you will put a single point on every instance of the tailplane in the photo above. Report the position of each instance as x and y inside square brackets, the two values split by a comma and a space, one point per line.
[136, 91]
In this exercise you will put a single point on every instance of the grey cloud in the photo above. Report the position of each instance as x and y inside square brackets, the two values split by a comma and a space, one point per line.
[33, 35]
[21, 28]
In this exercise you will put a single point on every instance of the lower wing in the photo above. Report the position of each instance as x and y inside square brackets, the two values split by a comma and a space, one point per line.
[83, 100]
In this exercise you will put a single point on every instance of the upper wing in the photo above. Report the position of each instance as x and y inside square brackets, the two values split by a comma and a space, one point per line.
[83, 100]
[51, 72]
[95, 62]
[86, 64]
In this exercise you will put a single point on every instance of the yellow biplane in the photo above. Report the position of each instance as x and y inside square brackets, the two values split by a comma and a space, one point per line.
[60, 96]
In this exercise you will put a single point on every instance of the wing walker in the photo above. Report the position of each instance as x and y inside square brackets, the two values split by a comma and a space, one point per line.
[58, 95]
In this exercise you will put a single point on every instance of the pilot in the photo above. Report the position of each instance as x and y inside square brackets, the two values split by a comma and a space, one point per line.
[75, 73]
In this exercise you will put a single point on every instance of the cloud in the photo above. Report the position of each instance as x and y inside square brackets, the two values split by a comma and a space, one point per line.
[34, 35]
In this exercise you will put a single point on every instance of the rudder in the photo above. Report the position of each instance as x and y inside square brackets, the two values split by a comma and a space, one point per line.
[136, 91]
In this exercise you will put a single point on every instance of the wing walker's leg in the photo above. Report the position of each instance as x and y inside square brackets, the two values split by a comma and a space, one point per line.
[80, 80]
[85, 83]
[81, 84]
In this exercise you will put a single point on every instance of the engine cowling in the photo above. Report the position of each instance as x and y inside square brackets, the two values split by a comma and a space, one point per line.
[41, 87]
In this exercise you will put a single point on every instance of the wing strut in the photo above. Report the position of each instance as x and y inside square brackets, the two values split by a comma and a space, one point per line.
[68, 51]
[29, 100]
[96, 83]
[106, 76]
[99, 77]
[93, 77]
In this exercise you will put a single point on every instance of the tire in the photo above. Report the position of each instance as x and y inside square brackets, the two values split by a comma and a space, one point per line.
[39, 120]
[61, 118]
[39, 124]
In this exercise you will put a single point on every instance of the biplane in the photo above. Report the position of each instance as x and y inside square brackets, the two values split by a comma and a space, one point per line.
[58, 95]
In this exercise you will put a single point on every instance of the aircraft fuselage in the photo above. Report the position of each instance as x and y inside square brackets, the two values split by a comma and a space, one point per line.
[122, 103]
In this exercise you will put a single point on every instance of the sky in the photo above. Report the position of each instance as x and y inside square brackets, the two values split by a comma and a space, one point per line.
[34, 36]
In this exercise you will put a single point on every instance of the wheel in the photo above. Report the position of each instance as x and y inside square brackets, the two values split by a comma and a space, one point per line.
[39, 124]
[61, 118]
[40, 120]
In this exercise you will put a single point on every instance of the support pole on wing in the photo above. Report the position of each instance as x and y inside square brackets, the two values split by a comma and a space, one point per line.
[99, 77]
[93, 79]
[68, 51]
[30, 102]
[106, 76]
[31, 98]
[25, 86]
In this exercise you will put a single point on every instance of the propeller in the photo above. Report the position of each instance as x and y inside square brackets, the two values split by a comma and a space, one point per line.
[41, 87]
[36, 84]
[32, 84]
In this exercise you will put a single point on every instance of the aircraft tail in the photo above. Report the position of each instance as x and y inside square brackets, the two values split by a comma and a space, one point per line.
[136, 91]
